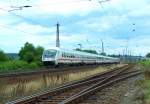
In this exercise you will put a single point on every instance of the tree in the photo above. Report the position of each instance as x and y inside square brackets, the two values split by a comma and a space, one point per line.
[148, 55]
[78, 49]
[103, 53]
[38, 54]
[87, 51]
[29, 53]
[91, 51]
[3, 56]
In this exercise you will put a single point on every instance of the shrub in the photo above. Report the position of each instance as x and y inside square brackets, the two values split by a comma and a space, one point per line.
[17, 66]
[30, 54]
[33, 65]
[145, 64]
[3, 56]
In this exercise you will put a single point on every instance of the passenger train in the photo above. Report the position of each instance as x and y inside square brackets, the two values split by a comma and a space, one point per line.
[57, 56]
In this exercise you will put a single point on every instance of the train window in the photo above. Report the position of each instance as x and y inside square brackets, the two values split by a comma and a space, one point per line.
[65, 55]
[62, 54]
[50, 53]
[73, 56]
[69, 55]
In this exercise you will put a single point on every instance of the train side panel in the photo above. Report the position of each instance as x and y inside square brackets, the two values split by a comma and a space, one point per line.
[74, 57]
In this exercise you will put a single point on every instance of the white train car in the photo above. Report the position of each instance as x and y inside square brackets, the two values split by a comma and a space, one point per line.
[57, 56]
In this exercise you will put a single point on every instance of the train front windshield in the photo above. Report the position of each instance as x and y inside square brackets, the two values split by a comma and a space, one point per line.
[50, 53]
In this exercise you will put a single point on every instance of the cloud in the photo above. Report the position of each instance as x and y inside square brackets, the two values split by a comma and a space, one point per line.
[3, 6]
[35, 29]
[81, 21]
[67, 7]
[141, 11]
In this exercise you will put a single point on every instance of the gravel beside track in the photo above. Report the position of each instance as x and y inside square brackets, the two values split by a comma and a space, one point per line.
[125, 92]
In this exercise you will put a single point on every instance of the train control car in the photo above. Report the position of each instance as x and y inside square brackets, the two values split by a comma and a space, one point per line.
[57, 56]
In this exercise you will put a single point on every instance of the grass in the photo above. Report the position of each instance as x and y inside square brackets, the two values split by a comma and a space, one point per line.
[17, 65]
[146, 82]
[145, 64]
[145, 85]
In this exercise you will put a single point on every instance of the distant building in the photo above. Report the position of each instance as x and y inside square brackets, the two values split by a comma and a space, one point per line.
[128, 58]
[131, 59]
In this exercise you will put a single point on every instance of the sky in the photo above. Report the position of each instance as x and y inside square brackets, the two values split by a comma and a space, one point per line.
[122, 25]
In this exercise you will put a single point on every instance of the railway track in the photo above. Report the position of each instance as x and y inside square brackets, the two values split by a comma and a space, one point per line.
[75, 92]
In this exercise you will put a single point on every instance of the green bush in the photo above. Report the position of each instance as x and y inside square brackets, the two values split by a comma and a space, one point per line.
[17, 66]
[3, 56]
[145, 64]
[30, 54]
[146, 83]
[33, 65]
[146, 88]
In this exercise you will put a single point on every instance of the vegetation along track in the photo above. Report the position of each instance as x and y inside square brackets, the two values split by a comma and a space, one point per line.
[75, 92]
[45, 70]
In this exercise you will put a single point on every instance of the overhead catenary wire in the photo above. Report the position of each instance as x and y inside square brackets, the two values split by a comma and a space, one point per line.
[103, 1]
[118, 13]
[40, 5]
[15, 29]
[22, 17]
[58, 3]
[130, 21]
[19, 7]
[11, 12]
[107, 14]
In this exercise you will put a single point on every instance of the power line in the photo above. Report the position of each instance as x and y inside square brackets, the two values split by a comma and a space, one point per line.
[19, 7]
[29, 6]
[22, 17]
[8, 27]
[62, 3]
[52, 3]
[116, 29]
[132, 22]
[100, 2]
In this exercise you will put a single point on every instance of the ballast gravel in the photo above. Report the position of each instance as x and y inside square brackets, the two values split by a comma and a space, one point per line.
[125, 92]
